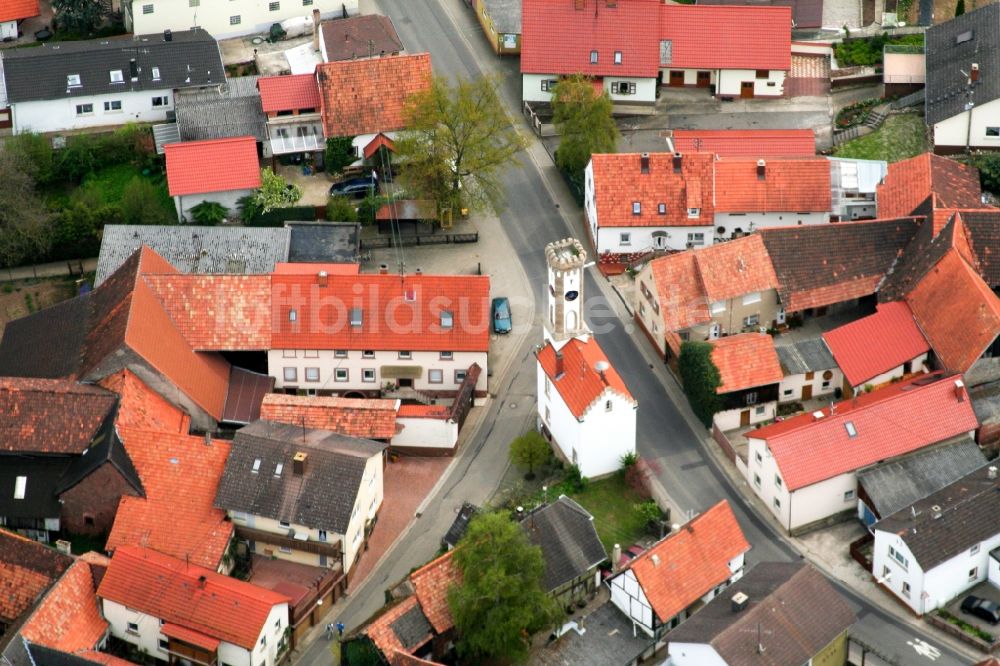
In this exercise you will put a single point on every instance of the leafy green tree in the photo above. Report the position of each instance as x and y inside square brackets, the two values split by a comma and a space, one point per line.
[530, 450]
[339, 153]
[34, 153]
[274, 192]
[500, 602]
[989, 171]
[650, 512]
[341, 209]
[209, 213]
[583, 118]
[369, 207]
[700, 378]
[79, 17]
[140, 204]
[459, 138]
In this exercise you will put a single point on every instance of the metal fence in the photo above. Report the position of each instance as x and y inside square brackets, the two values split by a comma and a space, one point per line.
[913, 99]
[410, 241]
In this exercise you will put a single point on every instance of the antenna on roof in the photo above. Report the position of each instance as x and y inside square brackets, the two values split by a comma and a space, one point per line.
[302, 421]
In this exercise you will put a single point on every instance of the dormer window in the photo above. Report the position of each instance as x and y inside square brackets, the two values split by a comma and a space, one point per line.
[593, 57]
[117, 76]
[156, 73]
[73, 80]
[278, 468]
[447, 320]
[694, 212]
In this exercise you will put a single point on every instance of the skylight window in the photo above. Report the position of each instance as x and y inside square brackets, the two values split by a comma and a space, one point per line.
[256, 466]
[20, 486]
[278, 468]
[292, 315]
[73, 80]
[409, 295]
[447, 320]
[156, 73]
[851, 430]
[117, 76]
[963, 37]
[356, 317]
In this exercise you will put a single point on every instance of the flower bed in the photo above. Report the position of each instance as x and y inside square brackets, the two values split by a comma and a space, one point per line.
[855, 114]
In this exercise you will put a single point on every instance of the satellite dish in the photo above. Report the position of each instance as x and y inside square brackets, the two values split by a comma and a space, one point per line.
[601, 366]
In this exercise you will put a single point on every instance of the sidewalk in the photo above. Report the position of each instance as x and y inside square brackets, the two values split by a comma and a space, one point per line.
[55, 269]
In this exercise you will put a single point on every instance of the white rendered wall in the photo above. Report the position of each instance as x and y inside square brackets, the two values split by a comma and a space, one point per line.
[729, 419]
[730, 80]
[56, 115]
[185, 203]
[820, 386]
[426, 433]
[751, 221]
[256, 16]
[693, 654]
[629, 597]
[953, 131]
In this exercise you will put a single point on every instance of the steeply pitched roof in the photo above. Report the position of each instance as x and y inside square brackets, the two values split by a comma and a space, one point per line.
[359, 37]
[910, 182]
[54, 416]
[951, 47]
[59, 330]
[692, 187]
[867, 347]
[565, 532]
[680, 568]
[794, 185]
[68, 618]
[142, 408]
[558, 38]
[802, 356]
[371, 419]
[369, 96]
[193, 597]
[13, 10]
[896, 484]
[679, 290]
[27, 568]
[922, 253]
[322, 497]
[403, 627]
[726, 37]
[290, 92]
[579, 382]
[949, 521]
[745, 361]
[892, 421]
[431, 583]
[983, 229]
[191, 59]
[193, 166]
[180, 475]
[746, 143]
[782, 615]
[739, 267]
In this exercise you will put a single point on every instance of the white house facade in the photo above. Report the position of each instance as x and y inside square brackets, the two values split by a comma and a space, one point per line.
[57, 115]
[621, 89]
[809, 385]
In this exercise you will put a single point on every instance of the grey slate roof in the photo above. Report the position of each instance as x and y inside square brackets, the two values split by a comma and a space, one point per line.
[949, 521]
[321, 498]
[947, 56]
[804, 356]
[565, 532]
[232, 111]
[192, 249]
[506, 15]
[48, 343]
[335, 242]
[190, 59]
[895, 485]
[608, 639]
[412, 628]
[799, 613]
[986, 402]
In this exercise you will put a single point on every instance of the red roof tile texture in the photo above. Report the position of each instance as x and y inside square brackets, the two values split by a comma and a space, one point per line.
[215, 165]
[180, 474]
[19, 587]
[909, 183]
[355, 417]
[27, 568]
[657, 185]
[727, 37]
[68, 618]
[798, 185]
[369, 96]
[578, 381]
[12, 10]
[690, 562]
[892, 421]
[382, 634]
[397, 313]
[747, 143]
[559, 36]
[190, 636]
[315, 268]
[50, 415]
[142, 408]
[293, 92]
[872, 345]
[193, 597]
[432, 582]
[739, 267]
[745, 361]
[679, 291]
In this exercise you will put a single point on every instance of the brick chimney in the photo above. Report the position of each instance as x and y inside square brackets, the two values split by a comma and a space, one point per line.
[315, 30]
[678, 160]
[321, 278]
[761, 169]
[644, 163]
[299, 463]
[960, 390]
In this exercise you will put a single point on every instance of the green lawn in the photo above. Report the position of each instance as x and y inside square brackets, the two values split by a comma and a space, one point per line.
[901, 136]
[611, 502]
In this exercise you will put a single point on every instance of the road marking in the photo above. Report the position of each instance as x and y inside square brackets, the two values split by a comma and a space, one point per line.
[924, 649]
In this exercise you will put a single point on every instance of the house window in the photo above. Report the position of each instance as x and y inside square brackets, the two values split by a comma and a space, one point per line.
[752, 398]
[549, 85]
[113, 105]
[661, 208]
[750, 299]
[459, 376]
[974, 549]
[759, 458]
[718, 307]
[760, 410]
[84, 109]
[851, 430]
[993, 131]
[906, 589]
[273, 6]
[194, 3]
[625, 238]
[899, 557]
[593, 57]
[161, 100]
[696, 238]
[751, 320]
[147, 9]
[156, 70]
[623, 87]
[787, 392]
[848, 495]
[777, 481]
[73, 80]
[340, 353]
[694, 212]
[777, 503]
[636, 208]
[256, 466]
[291, 374]
[826, 385]
[446, 356]
[312, 374]
[368, 375]
[435, 376]
[973, 574]
[405, 355]
[341, 375]
[368, 354]
[132, 627]
[618, 57]
[234, 20]
[116, 76]
[88, 519]
[548, 386]
[20, 485]
[756, 480]
[761, 74]
[289, 353]
[322, 535]
[447, 320]
[608, 405]
[163, 644]
[642, 309]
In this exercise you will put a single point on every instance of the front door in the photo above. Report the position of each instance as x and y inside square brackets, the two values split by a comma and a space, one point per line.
[660, 242]
[704, 79]
[746, 90]
[405, 383]
[676, 78]
[745, 418]
[807, 391]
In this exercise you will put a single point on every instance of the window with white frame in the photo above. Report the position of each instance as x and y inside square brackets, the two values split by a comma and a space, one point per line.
[973, 574]
[132, 627]
[340, 353]
[993, 131]
[758, 457]
[751, 320]
[435, 376]
[777, 481]
[289, 353]
[73, 80]
[756, 480]
[608, 405]
[750, 299]
[694, 212]
[163, 644]
[307, 3]
[446, 356]
[84, 109]
[618, 57]
[848, 495]
[696, 238]
[548, 386]
[777, 503]
[625, 238]
[161, 100]
[312, 374]
[273, 6]
[760, 410]
[368, 375]
[751, 398]
[906, 589]
[548, 85]
[368, 354]
[310, 353]
[322, 535]
[593, 57]
[405, 355]
[636, 208]
[974, 550]
[113, 105]
[156, 70]
[623, 87]
[284, 523]
[117, 76]
[459, 376]
[718, 306]
[341, 375]
[291, 374]
[661, 208]
[899, 557]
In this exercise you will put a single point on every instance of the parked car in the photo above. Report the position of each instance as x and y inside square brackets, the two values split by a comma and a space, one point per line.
[358, 187]
[501, 315]
[984, 609]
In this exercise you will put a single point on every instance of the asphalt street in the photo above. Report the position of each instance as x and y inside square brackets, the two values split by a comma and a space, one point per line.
[666, 437]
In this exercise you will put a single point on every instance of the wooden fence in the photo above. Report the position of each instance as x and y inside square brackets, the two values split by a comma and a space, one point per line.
[410, 241]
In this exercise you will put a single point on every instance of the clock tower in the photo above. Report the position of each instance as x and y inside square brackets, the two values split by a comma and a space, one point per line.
[564, 314]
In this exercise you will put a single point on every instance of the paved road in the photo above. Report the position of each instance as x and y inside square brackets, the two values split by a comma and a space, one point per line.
[449, 31]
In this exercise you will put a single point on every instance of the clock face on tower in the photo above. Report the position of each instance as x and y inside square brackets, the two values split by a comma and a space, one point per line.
[572, 295]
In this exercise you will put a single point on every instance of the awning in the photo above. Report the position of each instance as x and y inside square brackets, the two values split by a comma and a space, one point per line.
[190, 636]
[401, 371]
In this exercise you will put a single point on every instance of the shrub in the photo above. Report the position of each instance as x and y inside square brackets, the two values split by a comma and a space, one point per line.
[574, 479]
[700, 378]
[209, 213]
[650, 512]
[339, 153]
[629, 459]
[369, 207]
[341, 209]
[137, 205]
[530, 450]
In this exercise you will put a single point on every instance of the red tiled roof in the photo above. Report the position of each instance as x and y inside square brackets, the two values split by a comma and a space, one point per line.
[747, 143]
[892, 421]
[909, 183]
[727, 36]
[26, 568]
[390, 320]
[314, 268]
[190, 636]
[679, 291]
[288, 93]
[19, 587]
[380, 141]
[50, 415]
[877, 343]
[215, 165]
[691, 561]
[193, 597]
[691, 188]
[368, 96]
[359, 36]
[423, 411]
[431, 583]
[104, 658]
[580, 384]
[746, 360]
[382, 634]
[68, 618]
[12, 10]
[793, 185]
[557, 38]
[741, 266]
[355, 417]
[177, 517]
[141, 407]
[956, 311]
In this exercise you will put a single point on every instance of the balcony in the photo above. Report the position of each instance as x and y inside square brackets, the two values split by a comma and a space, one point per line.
[297, 135]
[281, 541]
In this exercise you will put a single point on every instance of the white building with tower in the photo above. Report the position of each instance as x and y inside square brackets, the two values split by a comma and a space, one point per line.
[584, 407]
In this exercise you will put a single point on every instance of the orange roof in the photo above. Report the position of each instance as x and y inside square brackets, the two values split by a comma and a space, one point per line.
[385, 638]
[747, 143]
[431, 583]
[956, 311]
[193, 597]
[682, 299]
[691, 561]
[104, 658]
[909, 183]
[869, 346]
[578, 381]
[141, 407]
[27, 567]
[793, 185]
[356, 417]
[423, 411]
[727, 37]
[19, 587]
[12, 10]
[68, 618]
[180, 474]
[746, 360]
[315, 268]
[288, 93]
[619, 182]
[215, 165]
[380, 141]
[369, 96]
[397, 312]
[56, 416]
[190, 636]
[741, 266]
